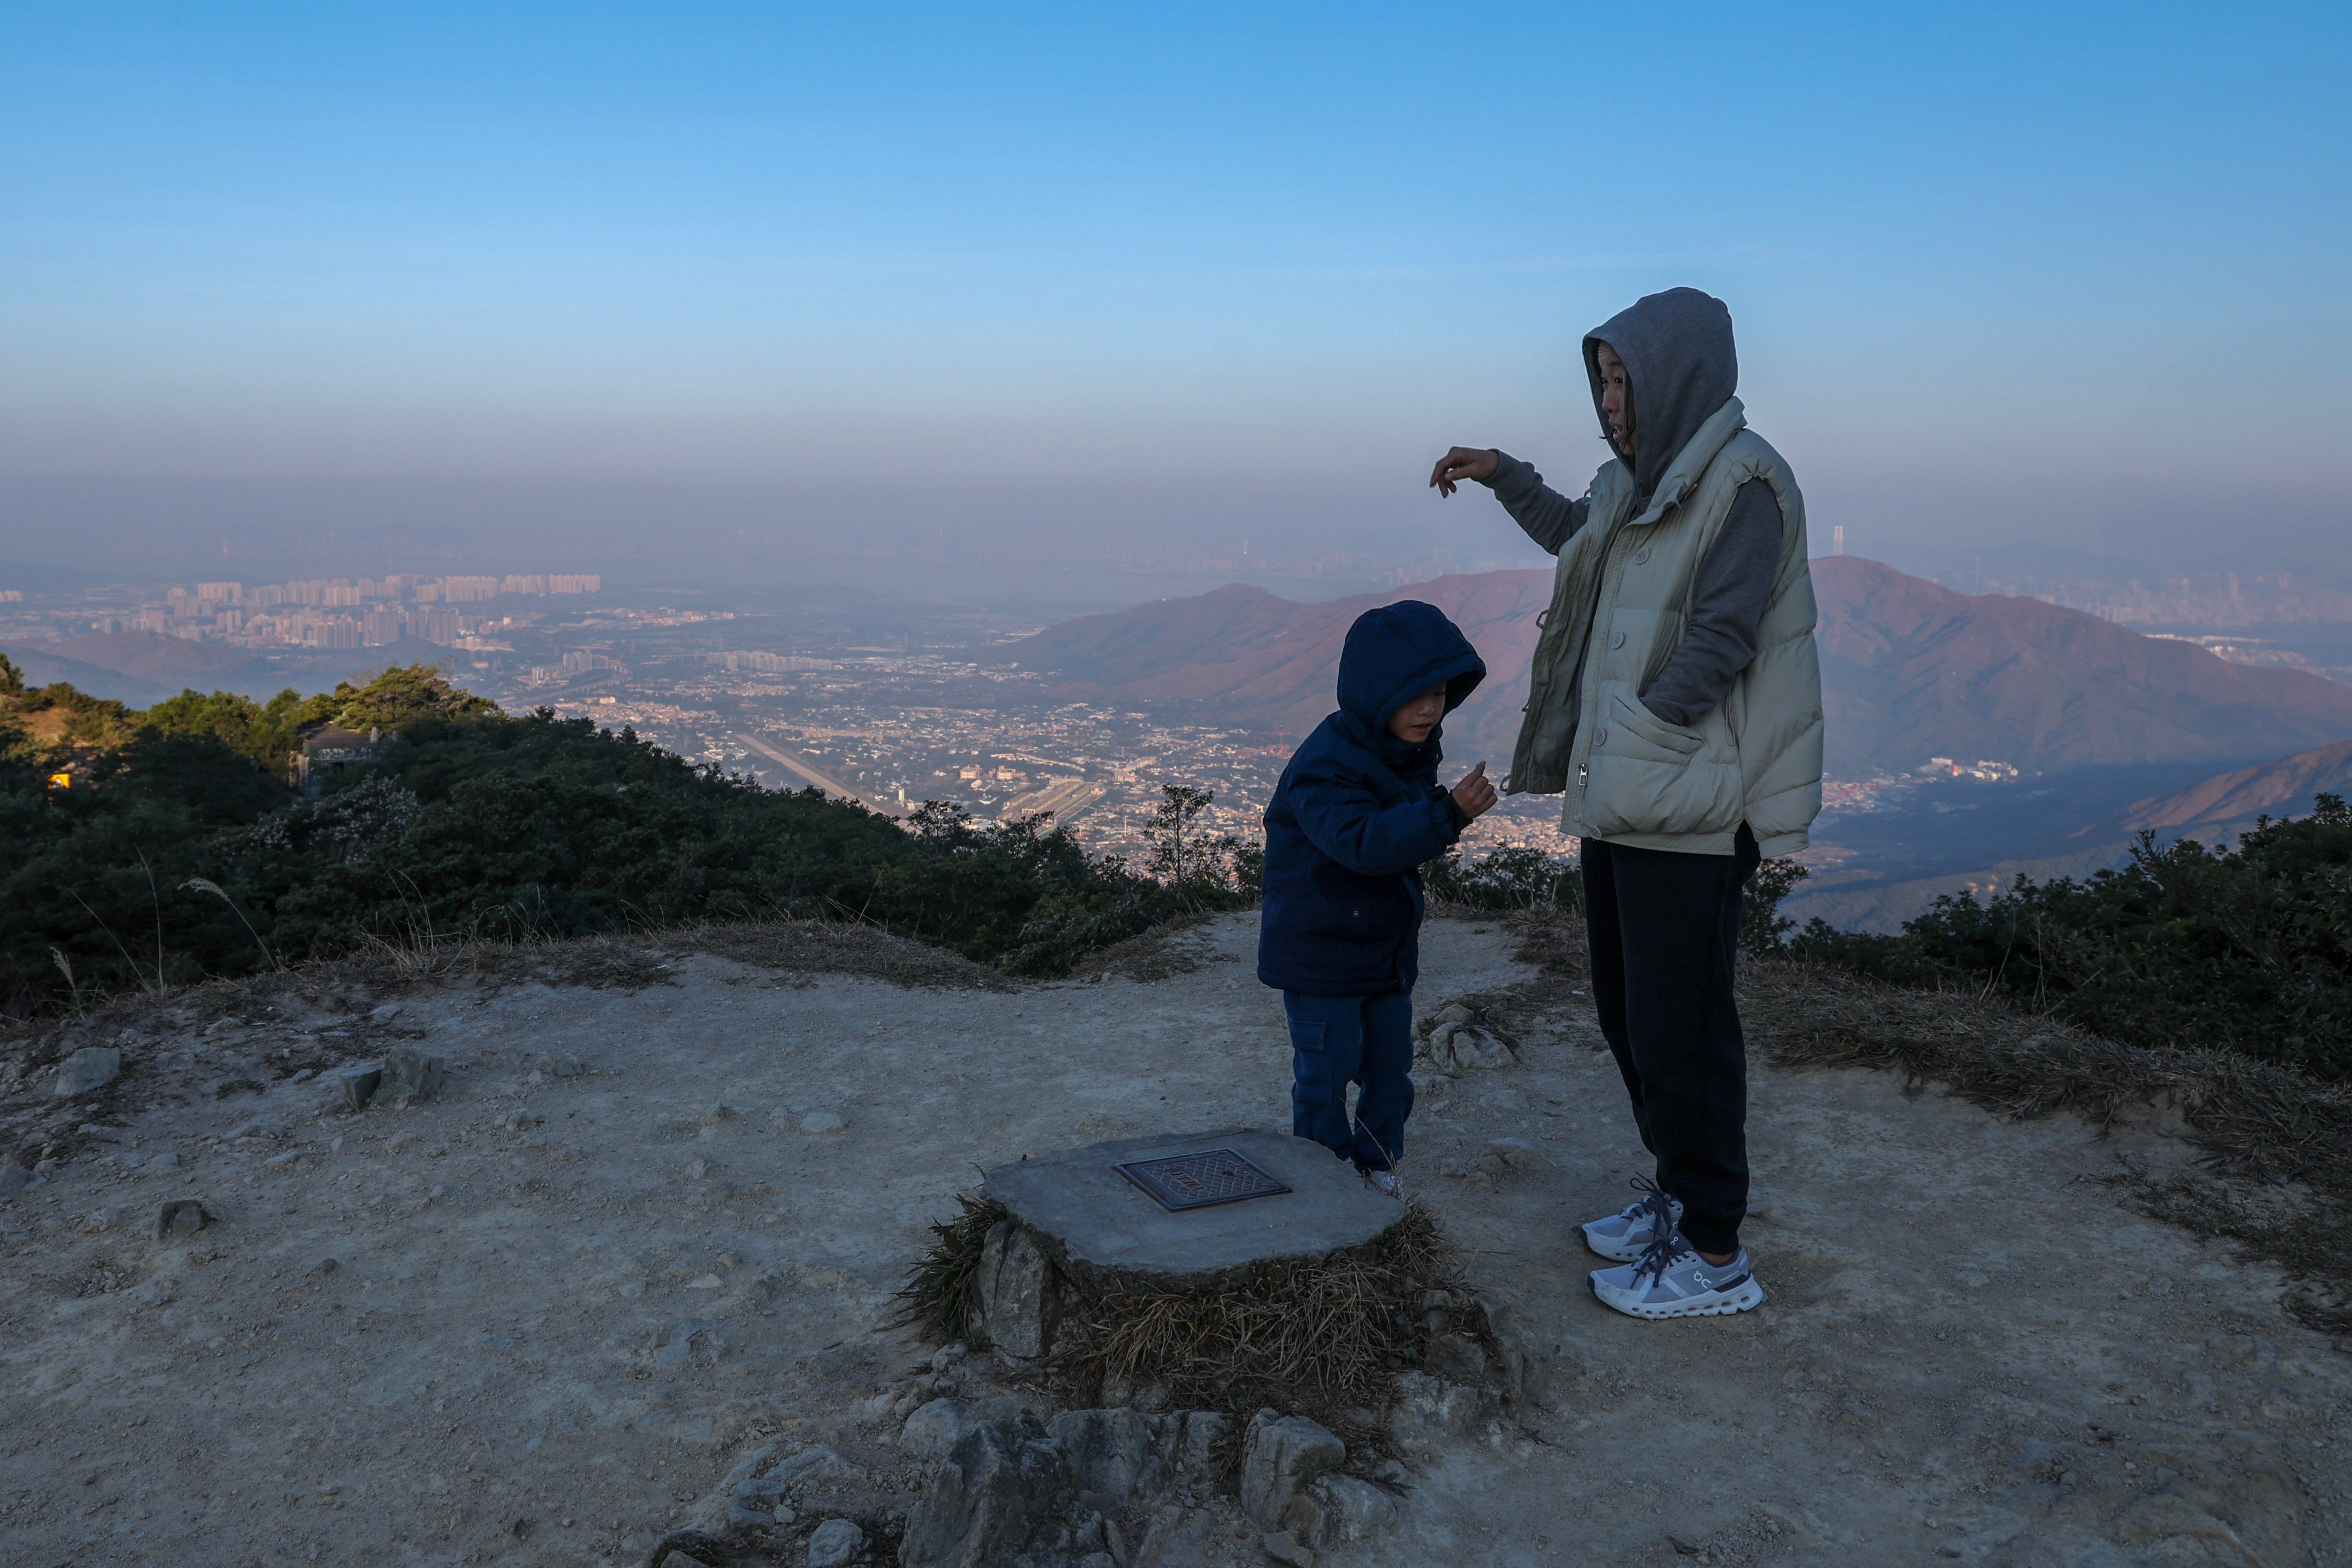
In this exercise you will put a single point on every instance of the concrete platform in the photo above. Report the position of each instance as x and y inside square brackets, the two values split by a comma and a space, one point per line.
[1079, 1200]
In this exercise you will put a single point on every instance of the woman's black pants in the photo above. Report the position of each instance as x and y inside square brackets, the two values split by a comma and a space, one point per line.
[1665, 928]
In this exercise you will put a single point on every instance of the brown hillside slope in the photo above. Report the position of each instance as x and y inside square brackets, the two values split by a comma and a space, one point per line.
[1269, 663]
[2228, 803]
[1911, 669]
[150, 655]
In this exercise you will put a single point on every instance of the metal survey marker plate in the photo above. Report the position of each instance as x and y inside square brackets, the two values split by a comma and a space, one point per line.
[1199, 1181]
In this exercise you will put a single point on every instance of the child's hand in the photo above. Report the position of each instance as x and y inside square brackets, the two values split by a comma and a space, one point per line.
[1474, 795]
[1464, 463]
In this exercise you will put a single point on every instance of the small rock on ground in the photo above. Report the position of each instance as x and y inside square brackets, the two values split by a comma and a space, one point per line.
[1283, 1547]
[88, 1069]
[835, 1543]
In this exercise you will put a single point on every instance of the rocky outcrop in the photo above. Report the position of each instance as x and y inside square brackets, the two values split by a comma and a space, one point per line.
[1019, 1303]
[1294, 1489]
[1004, 1488]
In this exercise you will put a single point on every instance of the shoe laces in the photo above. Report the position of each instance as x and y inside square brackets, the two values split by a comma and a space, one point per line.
[1652, 1201]
[1667, 1248]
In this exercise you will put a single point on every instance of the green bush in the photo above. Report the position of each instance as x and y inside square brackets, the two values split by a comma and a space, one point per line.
[183, 853]
[2247, 950]
[1522, 878]
[1763, 929]
[1515, 877]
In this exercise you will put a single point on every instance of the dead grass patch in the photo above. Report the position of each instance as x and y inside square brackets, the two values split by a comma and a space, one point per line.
[1324, 1333]
[821, 947]
[1326, 1336]
[942, 1291]
[1167, 949]
[2273, 1132]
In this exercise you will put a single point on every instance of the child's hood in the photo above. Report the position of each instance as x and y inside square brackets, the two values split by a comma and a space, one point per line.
[1394, 654]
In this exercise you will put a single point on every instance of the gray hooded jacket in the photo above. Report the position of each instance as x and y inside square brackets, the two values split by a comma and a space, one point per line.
[1676, 691]
[1682, 365]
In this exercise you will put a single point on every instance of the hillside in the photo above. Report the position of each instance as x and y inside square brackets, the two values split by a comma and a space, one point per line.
[1910, 670]
[2228, 803]
[144, 667]
[42, 666]
[175, 662]
[1268, 663]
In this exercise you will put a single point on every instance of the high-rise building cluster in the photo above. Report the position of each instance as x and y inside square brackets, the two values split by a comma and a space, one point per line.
[577, 663]
[768, 663]
[341, 612]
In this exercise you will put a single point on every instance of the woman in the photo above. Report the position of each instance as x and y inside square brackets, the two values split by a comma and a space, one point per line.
[1675, 701]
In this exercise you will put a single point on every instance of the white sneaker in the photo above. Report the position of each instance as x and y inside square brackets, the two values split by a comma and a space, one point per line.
[1671, 1280]
[1386, 1181]
[1625, 1235]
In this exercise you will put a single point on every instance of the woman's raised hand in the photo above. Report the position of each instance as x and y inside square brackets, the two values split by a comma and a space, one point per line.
[1464, 463]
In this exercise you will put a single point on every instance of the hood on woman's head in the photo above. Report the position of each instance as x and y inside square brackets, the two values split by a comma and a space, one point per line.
[1681, 365]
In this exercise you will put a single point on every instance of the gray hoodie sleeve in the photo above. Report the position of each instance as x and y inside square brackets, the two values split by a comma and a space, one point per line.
[1727, 601]
[1549, 518]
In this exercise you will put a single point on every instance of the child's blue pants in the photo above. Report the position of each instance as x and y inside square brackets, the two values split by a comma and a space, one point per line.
[1338, 1040]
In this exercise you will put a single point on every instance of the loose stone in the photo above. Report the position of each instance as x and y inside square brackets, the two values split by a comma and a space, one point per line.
[88, 1069]
[408, 1077]
[835, 1543]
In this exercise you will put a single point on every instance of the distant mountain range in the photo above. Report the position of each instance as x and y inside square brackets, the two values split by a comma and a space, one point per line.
[1910, 670]
[2224, 806]
[1879, 892]
[142, 668]
[2120, 727]
[1251, 659]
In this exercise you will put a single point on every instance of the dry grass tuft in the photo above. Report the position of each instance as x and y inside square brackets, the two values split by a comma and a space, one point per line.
[942, 1291]
[1327, 1334]
[2262, 1125]
[826, 947]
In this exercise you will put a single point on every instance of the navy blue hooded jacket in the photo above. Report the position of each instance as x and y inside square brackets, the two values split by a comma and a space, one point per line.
[1358, 811]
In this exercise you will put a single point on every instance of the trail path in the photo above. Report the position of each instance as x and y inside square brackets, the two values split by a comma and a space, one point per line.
[566, 1291]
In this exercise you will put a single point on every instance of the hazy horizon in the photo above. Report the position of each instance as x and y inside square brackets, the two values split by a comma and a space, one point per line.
[739, 297]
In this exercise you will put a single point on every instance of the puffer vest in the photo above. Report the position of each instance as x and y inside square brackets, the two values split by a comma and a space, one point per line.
[1621, 600]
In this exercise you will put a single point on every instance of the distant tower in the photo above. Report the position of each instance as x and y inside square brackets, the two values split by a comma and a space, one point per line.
[1837, 539]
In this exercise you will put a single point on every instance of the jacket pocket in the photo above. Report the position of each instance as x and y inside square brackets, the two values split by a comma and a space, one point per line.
[1647, 729]
[1648, 776]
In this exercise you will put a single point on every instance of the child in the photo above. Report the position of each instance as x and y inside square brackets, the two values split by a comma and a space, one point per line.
[1357, 812]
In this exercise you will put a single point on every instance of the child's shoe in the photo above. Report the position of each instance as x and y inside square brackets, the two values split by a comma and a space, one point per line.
[1671, 1280]
[1625, 1235]
[1386, 1181]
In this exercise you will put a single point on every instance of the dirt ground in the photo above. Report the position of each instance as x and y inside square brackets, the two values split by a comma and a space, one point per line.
[531, 1320]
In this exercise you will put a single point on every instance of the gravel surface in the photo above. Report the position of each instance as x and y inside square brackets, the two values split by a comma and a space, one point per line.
[533, 1317]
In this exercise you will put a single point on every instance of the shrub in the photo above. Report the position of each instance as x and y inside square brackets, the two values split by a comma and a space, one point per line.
[1517, 877]
[188, 856]
[1763, 929]
[2247, 949]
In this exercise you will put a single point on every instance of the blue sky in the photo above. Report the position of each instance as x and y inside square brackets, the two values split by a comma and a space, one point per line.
[2000, 272]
